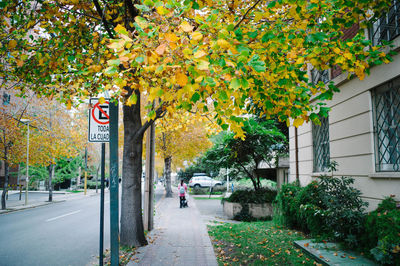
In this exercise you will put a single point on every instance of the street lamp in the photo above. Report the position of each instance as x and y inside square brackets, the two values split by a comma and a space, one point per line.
[27, 121]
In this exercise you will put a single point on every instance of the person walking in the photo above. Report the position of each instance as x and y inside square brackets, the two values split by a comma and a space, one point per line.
[182, 190]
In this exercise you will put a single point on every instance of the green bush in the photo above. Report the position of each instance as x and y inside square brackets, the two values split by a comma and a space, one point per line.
[286, 206]
[382, 237]
[263, 195]
[329, 207]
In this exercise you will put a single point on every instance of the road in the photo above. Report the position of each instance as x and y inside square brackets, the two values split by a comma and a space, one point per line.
[65, 233]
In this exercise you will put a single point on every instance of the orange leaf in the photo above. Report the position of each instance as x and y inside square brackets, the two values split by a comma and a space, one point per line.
[161, 49]
[181, 79]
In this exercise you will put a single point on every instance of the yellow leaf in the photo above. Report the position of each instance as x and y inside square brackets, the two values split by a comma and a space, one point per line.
[300, 60]
[186, 27]
[131, 100]
[102, 100]
[161, 49]
[197, 36]
[199, 54]
[223, 43]
[69, 105]
[12, 44]
[171, 37]
[298, 122]
[162, 10]
[336, 50]
[181, 79]
[348, 55]
[203, 65]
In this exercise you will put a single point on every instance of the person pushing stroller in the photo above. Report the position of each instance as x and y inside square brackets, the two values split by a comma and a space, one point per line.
[182, 190]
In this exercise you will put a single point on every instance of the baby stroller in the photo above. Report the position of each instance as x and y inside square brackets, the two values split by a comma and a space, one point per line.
[185, 202]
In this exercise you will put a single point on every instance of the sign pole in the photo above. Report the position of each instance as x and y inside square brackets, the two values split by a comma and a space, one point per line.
[114, 183]
[103, 158]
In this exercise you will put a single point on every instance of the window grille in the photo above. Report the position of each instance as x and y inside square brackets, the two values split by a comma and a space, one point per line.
[387, 27]
[319, 75]
[387, 127]
[321, 154]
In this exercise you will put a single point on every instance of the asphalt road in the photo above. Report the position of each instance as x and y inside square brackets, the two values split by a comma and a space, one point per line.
[65, 233]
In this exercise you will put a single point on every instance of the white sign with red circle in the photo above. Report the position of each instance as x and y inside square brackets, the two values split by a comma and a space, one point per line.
[99, 120]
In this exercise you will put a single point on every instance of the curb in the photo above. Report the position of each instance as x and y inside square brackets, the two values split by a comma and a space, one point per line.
[29, 207]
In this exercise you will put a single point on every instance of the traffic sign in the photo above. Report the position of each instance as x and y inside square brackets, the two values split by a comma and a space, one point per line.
[99, 120]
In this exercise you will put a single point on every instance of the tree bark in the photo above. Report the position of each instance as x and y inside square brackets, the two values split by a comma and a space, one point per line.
[167, 167]
[3, 195]
[51, 174]
[132, 231]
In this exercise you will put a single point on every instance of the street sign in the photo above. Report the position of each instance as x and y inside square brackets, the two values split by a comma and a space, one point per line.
[99, 119]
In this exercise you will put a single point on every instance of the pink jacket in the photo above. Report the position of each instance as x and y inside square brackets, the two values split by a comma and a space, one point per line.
[179, 188]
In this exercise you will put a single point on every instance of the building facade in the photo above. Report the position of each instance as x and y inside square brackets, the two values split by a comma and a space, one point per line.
[362, 131]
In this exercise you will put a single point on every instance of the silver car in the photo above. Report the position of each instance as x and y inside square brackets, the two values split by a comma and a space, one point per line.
[203, 181]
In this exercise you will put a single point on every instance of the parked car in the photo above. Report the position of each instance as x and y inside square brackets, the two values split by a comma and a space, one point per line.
[203, 181]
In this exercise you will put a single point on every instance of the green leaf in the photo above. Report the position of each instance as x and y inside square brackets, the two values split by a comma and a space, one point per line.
[195, 97]
[235, 84]
[139, 59]
[115, 62]
[244, 83]
[267, 36]
[111, 70]
[223, 96]
[271, 4]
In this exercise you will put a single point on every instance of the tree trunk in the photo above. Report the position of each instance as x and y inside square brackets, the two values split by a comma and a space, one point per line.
[132, 232]
[167, 166]
[51, 174]
[3, 195]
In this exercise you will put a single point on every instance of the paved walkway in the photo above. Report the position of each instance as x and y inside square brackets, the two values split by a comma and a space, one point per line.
[179, 237]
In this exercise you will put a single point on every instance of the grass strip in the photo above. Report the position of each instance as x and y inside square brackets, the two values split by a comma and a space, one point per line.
[257, 243]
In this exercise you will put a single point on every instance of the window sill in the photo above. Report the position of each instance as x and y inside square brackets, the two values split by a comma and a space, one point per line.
[318, 174]
[385, 175]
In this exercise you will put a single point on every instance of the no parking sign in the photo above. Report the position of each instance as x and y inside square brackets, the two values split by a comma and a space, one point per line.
[99, 121]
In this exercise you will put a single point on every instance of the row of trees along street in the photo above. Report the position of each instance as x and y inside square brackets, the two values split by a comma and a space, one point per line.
[56, 135]
[218, 59]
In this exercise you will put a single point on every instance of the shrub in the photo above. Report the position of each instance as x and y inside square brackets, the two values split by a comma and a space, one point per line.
[329, 207]
[286, 207]
[382, 238]
[263, 195]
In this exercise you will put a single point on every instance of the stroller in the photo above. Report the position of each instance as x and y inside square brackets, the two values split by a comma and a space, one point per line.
[185, 203]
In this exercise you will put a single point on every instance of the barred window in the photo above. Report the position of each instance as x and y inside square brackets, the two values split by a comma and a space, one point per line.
[387, 127]
[387, 27]
[319, 75]
[321, 154]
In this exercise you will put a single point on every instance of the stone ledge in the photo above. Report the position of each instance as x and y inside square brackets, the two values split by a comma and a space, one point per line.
[256, 210]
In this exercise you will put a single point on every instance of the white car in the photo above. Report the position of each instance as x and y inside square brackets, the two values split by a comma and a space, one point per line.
[203, 181]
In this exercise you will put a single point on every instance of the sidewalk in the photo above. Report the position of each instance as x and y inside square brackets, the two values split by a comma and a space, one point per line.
[14, 204]
[179, 237]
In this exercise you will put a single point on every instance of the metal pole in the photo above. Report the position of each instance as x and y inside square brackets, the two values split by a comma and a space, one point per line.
[103, 156]
[296, 155]
[27, 169]
[85, 184]
[114, 205]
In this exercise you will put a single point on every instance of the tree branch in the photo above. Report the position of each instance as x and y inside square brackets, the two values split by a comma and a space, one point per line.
[159, 114]
[244, 16]
[105, 22]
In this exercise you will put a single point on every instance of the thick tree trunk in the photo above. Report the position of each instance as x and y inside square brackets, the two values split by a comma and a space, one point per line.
[51, 174]
[3, 195]
[132, 232]
[167, 167]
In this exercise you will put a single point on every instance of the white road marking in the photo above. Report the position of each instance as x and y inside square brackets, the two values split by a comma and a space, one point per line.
[61, 216]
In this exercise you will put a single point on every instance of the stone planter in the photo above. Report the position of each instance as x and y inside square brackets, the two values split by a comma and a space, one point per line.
[255, 210]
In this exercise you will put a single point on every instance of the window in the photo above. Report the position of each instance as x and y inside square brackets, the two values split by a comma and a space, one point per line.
[387, 27]
[320, 135]
[319, 75]
[387, 127]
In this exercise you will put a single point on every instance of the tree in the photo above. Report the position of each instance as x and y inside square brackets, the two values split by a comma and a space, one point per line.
[188, 54]
[181, 137]
[263, 143]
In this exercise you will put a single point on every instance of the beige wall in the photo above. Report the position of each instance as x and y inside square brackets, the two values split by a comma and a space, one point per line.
[351, 137]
